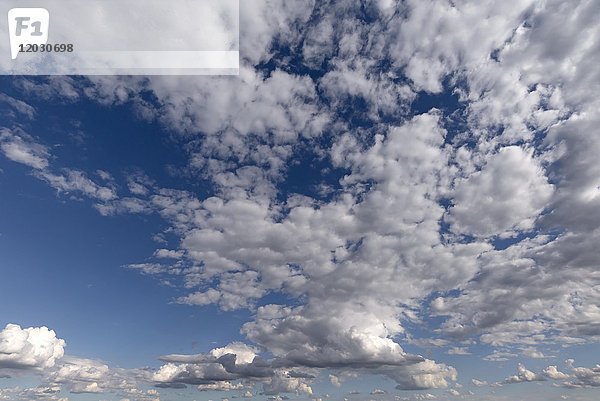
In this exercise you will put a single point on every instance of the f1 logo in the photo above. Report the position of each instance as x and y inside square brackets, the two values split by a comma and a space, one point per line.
[27, 26]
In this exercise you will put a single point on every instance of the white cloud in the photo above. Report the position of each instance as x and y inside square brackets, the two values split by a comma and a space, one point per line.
[18, 105]
[149, 268]
[38, 350]
[20, 147]
[459, 36]
[263, 21]
[41, 392]
[29, 348]
[585, 377]
[82, 376]
[282, 383]
[360, 79]
[220, 238]
[499, 356]
[244, 353]
[459, 351]
[509, 193]
[223, 364]
[479, 383]
[75, 181]
[524, 375]
[424, 375]
[340, 337]
[426, 396]
[169, 254]
[580, 377]
[532, 352]
[553, 373]
[222, 367]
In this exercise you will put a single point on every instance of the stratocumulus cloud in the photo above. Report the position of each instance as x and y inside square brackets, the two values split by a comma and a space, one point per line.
[448, 199]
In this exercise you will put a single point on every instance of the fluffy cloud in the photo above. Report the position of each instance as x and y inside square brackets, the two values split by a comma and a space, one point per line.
[553, 373]
[460, 36]
[585, 377]
[339, 338]
[281, 382]
[579, 377]
[29, 348]
[82, 375]
[243, 353]
[222, 368]
[489, 224]
[38, 350]
[508, 193]
[335, 381]
[87, 376]
[524, 375]
[424, 375]
[264, 21]
[235, 361]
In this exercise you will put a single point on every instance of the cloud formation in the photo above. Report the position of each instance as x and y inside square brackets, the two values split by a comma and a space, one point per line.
[472, 220]
[29, 348]
[20, 147]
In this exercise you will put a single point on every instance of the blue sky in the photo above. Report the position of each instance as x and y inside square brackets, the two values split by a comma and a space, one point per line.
[392, 201]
